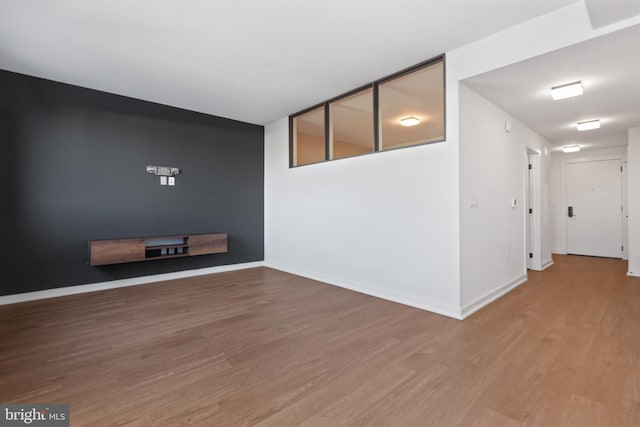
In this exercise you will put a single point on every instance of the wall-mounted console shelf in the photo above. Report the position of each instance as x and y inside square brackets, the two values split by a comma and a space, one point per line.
[116, 251]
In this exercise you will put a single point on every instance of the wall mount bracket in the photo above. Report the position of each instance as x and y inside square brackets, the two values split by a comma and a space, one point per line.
[163, 170]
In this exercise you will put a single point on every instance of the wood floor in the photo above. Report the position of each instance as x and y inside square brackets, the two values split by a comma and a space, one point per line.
[262, 347]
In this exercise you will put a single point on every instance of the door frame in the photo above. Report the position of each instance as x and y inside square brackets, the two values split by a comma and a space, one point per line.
[532, 200]
[563, 194]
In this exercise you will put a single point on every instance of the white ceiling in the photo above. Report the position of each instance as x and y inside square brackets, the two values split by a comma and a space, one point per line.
[609, 68]
[605, 12]
[251, 60]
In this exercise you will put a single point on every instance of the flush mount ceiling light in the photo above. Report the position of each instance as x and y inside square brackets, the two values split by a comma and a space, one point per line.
[588, 125]
[568, 90]
[571, 148]
[409, 121]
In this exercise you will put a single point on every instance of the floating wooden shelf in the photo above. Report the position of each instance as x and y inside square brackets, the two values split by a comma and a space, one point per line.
[116, 251]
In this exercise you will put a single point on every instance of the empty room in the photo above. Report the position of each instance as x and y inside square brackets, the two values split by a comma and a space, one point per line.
[320, 213]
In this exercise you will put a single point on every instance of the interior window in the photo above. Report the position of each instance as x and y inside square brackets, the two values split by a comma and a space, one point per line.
[308, 137]
[412, 108]
[352, 125]
[402, 110]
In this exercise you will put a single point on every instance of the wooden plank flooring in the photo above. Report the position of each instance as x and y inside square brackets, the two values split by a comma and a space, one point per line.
[266, 348]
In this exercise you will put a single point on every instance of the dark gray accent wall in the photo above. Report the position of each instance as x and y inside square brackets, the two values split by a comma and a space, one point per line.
[73, 169]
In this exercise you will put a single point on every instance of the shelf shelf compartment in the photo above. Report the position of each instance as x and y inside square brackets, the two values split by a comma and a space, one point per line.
[166, 242]
[158, 253]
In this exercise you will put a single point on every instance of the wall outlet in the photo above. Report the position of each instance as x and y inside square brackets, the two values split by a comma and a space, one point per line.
[172, 180]
[163, 180]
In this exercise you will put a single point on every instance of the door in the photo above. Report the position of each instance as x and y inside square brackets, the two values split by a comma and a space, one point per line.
[594, 208]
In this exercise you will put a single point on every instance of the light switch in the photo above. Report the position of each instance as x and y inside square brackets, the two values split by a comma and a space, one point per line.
[474, 201]
[163, 180]
[514, 203]
[172, 180]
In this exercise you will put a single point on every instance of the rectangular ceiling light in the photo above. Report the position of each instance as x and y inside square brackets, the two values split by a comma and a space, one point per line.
[566, 91]
[571, 148]
[410, 121]
[591, 124]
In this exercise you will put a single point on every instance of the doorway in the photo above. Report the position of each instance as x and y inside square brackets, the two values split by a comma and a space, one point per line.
[594, 208]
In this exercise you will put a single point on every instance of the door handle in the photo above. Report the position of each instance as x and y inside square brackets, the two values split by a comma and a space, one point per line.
[570, 212]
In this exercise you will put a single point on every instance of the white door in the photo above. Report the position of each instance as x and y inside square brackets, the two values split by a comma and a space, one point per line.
[594, 208]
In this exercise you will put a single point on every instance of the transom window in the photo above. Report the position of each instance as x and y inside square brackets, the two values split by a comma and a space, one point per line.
[402, 110]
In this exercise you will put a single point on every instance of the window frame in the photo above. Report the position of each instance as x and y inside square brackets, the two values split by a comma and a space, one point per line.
[375, 86]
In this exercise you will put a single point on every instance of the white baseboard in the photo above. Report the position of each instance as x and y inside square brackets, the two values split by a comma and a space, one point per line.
[559, 251]
[488, 298]
[121, 283]
[434, 307]
[548, 263]
[633, 272]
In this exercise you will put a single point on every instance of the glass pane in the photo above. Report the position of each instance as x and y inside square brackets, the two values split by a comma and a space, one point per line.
[308, 133]
[352, 125]
[412, 108]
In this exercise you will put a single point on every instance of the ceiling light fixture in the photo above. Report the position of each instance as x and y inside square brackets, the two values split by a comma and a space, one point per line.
[571, 148]
[588, 125]
[568, 90]
[409, 121]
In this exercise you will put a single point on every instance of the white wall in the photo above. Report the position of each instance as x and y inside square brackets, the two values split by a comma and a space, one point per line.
[633, 200]
[493, 170]
[385, 224]
[559, 191]
[388, 223]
